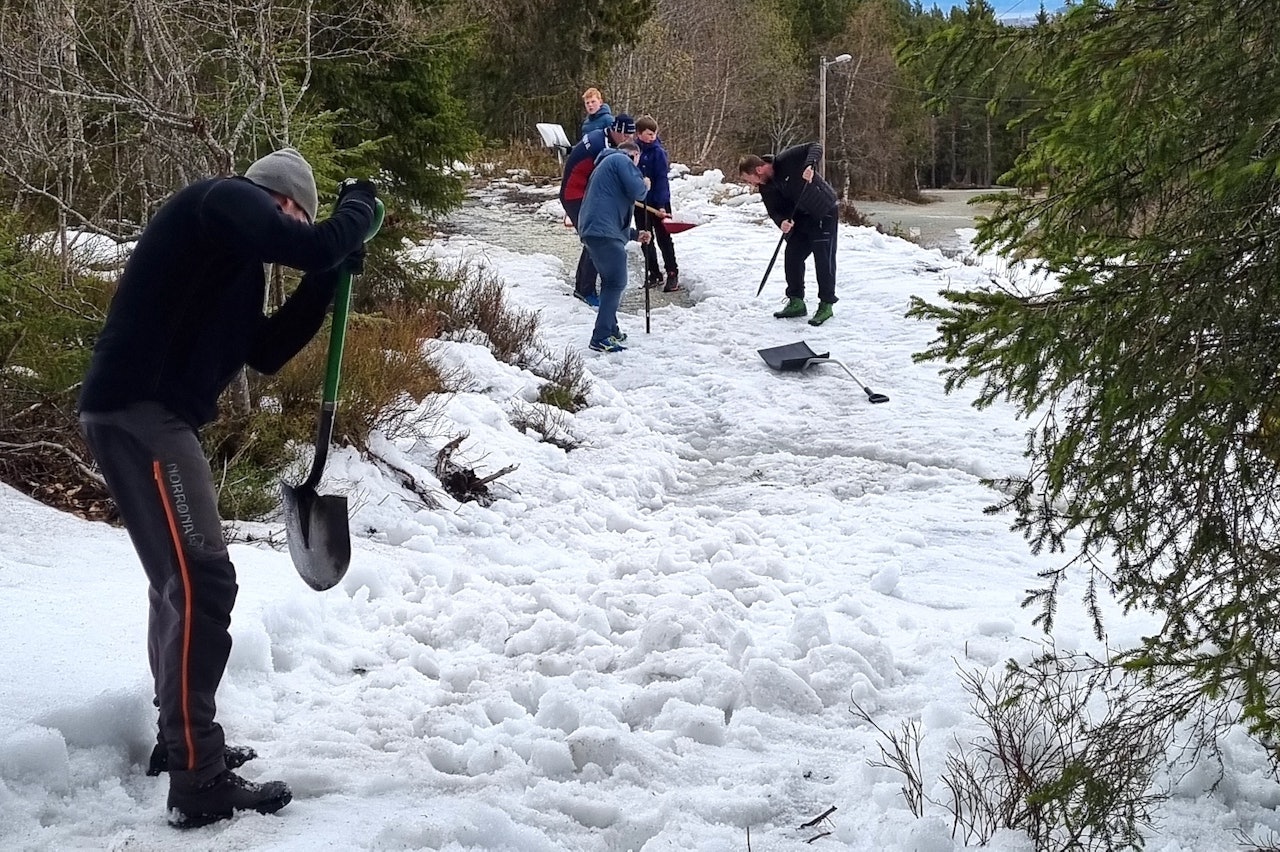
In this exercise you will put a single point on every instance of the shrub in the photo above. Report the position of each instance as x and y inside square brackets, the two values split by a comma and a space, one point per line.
[534, 160]
[1048, 767]
[567, 383]
[478, 302]
[389, 382]
[48, 317]
[851, 215]
[386, 371]
[249, 454]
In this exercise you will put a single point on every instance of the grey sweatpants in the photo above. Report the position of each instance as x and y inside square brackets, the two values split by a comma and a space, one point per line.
[161, 482]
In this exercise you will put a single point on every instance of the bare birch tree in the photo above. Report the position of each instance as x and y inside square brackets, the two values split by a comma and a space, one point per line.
[719, 76]
[875, 117]
[108, 106]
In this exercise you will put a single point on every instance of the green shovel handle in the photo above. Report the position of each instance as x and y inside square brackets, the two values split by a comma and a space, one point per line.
[341, 309]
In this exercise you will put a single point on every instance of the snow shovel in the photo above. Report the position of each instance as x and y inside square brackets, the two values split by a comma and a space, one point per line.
[782, 237]
[672, 227]
[315, 524]
[795, 357]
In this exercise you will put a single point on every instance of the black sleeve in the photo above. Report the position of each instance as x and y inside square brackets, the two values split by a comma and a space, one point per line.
[774, 202]
[790, 164]
[283, 334]
[246, 215]
[814, 156]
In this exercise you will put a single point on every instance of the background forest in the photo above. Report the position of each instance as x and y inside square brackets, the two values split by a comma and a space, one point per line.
[109, 107]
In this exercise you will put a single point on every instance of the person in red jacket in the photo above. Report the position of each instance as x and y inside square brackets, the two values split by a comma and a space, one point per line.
[185, 319]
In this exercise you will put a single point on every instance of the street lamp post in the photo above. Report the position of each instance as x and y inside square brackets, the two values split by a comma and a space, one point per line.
[823, 62]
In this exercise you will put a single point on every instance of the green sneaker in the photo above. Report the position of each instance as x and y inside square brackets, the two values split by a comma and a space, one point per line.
[822, 314]
[794, 308]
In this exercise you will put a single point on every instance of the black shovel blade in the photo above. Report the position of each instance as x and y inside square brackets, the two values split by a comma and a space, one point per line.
[875, 397]
[319, 537]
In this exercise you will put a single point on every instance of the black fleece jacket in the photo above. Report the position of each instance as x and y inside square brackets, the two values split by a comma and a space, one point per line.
[187, 314]
[787, 187]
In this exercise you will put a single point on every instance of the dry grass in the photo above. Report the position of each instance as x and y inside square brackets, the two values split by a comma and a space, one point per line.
[479, 302]
[386, 372]
[534, 160]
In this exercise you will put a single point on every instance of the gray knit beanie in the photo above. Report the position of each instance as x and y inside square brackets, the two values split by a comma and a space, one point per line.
[286, 172]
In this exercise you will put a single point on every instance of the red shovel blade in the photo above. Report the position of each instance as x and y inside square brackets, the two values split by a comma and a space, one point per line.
[677, 227]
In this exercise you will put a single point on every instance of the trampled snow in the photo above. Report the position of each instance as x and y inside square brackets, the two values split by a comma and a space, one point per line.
[655, 640]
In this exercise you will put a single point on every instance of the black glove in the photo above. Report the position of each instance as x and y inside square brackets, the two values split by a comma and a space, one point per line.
[354, 262]
[351, 185]
[358, 191]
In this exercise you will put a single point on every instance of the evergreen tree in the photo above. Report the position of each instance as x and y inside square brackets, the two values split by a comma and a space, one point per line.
[406, 106]
[1151, 189]
[814, 22]
[535, 55]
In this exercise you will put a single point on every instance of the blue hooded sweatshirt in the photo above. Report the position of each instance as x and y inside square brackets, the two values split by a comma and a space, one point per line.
[654, 165]
[615, 186]
[602, 120]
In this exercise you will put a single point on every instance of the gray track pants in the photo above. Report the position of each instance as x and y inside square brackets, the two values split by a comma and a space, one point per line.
[161, 482]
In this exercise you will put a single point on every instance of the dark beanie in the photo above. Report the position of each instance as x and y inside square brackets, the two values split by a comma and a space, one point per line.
[286, 172]
[624, 124]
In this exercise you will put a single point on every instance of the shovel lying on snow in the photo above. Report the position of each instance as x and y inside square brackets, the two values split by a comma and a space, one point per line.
[796, 357]
[315, 524]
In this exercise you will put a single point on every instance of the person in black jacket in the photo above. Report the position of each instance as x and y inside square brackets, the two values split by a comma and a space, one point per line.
[186, 317]
[804, 206]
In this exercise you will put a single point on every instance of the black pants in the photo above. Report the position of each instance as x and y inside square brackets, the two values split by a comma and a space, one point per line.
[817, 238]
[161, 482]
[584, 278]
[648, 221]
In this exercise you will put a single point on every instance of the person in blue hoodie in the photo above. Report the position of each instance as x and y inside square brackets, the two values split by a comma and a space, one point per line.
[604, 224]
[599, 116]
[654, 166]
[573, 188]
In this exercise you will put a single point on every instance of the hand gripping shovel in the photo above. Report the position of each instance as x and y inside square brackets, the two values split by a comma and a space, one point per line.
[782, 237]
[315, 524]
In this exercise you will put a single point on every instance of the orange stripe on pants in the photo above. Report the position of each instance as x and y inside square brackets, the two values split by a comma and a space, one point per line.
[186, 619]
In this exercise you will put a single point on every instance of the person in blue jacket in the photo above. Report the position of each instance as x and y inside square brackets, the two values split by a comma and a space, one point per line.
[186, 317]
[573, 187]
[599, 116]
[604, 224]
[654, 165]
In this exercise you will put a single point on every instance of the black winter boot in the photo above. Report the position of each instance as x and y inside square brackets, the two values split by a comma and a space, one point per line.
[234, 756]
[195, 806]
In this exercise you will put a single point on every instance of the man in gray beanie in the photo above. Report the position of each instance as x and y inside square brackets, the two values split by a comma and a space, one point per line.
[285, 173]
[185, 319]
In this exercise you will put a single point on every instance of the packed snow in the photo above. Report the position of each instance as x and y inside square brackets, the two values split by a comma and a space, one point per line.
[655, 640]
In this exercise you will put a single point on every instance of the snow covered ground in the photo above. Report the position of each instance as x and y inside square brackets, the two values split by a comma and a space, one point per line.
[652, 642]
